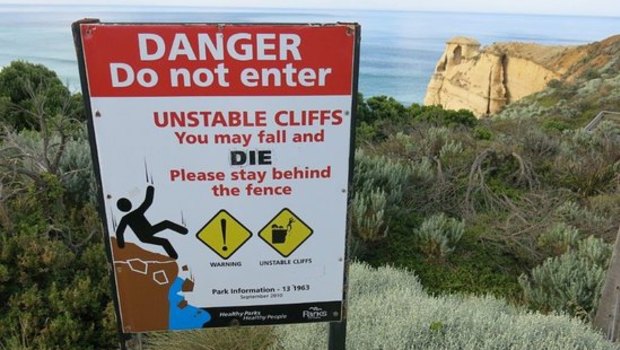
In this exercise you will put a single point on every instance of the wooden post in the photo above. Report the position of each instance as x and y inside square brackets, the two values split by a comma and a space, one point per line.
[607, 317]
[337, 335]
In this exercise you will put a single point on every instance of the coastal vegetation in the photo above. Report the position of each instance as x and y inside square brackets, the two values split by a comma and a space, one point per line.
[461, 227]
[389, 309]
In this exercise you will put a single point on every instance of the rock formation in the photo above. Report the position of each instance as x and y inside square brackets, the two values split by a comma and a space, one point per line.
[484, 80]
[152, 292]
[143, 280]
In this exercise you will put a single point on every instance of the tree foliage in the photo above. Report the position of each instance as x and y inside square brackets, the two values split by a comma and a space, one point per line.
[54, 284]
[378, 117]
[23, 85]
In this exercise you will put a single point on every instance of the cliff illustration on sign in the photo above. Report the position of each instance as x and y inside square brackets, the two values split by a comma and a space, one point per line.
[485, 79]
[151, 291]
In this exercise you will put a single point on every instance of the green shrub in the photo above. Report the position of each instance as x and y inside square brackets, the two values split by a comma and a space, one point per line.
[608, 133]
[434, 141]
[559, 239]
[595, 251]
[380, 172]
[588, 221]
[364, 133]
[555, 84]
[422, 171]
[526, 108]
[476, 266]
[450, 151]
[482, 133]
[438, 234]
[591, 73]
[378, 108]
[555, 124]
[569, 283]
[587, 162]
[52, 297]
[29, 86]
[539, 145]
[378, 190]
[74, 167]
[606, 205]
[379, 117]
[77, 172]
[436, 115]
[368, 215]
[388, 309]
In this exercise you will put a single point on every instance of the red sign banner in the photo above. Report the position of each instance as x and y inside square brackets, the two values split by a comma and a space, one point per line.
[217, 60]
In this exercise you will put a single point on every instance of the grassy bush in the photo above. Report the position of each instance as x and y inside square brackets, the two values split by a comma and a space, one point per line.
[571, 282]
[368, 215]
[587, 220]
[438, 234]
[559, 239]
[585, 174]
[239, 338]
[388, 309]
[378, 185]
[74, 167]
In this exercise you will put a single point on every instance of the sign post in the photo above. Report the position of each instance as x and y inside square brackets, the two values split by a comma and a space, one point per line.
[223, 154]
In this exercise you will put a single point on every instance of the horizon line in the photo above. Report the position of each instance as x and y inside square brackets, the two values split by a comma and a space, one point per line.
[293, 9]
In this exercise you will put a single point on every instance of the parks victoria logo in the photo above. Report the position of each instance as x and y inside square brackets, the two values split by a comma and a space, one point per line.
[314, 313]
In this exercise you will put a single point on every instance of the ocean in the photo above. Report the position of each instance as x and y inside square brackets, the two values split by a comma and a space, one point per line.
[398, 53]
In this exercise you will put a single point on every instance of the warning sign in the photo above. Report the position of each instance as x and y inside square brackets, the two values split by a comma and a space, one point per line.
[223, 155]
[285, 232]
[223, 234]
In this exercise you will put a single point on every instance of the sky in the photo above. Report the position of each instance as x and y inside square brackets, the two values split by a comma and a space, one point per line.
[559, 7]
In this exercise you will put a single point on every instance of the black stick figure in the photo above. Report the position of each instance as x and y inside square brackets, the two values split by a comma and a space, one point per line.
[142, 228]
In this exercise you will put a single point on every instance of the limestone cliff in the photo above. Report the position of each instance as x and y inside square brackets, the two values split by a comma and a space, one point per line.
[484, 80]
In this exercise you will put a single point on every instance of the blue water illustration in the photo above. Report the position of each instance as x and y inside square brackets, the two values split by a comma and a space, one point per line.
[188, 317]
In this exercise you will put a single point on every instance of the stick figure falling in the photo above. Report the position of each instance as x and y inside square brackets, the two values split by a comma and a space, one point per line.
[142, 228]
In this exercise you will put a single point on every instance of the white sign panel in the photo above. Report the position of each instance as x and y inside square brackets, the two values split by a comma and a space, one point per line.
[223, 155]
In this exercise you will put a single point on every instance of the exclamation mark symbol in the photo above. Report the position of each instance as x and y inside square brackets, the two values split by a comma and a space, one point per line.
[223, 226]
